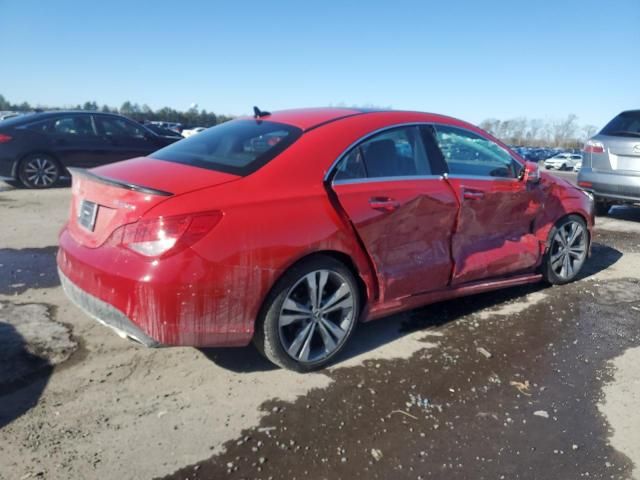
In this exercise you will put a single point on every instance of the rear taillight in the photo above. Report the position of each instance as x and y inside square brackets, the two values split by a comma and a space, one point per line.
[5, 138]
[163, 236]
[593, 147]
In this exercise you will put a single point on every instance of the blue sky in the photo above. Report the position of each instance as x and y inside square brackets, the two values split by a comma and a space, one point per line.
[470, 59]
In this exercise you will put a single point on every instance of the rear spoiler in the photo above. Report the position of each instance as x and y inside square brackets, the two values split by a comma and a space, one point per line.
[117, 183]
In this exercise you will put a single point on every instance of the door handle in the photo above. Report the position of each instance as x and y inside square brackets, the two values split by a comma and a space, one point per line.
[383, 203]
[472, 195]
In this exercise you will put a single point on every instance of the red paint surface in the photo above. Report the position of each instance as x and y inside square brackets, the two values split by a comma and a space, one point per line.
[434, 245]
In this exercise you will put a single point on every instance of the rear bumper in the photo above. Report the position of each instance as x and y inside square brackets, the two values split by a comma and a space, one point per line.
[183, 300]
[105, 313]
[618, 186]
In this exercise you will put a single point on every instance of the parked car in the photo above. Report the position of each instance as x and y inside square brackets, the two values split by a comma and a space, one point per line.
[4, 115]
[611, 166]
[187, 132]
[164, 132]
[173, 126]
[577, 166]
[290, 228]
[562, 161]
[38, 148]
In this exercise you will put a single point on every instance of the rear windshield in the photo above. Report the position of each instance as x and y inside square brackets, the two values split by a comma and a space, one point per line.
[627, 124]
[239, 147]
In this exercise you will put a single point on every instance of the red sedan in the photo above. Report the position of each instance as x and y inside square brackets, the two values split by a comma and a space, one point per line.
[290, 228]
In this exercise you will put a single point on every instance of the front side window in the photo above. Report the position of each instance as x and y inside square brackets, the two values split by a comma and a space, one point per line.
[393, 153]
[119, 127]
[76, 125]
[467, 153]
[239, 147]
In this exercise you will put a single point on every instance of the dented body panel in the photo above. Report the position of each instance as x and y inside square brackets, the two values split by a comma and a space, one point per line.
[435, 245]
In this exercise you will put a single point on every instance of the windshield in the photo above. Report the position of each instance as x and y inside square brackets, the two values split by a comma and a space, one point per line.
[625, 124]
[239, 147]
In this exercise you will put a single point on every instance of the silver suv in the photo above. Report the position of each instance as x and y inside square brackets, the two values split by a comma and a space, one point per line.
[611, 163]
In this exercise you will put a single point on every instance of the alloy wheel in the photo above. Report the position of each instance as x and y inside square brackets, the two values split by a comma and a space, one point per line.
[40, 172]
[568, 250]
[316, 316]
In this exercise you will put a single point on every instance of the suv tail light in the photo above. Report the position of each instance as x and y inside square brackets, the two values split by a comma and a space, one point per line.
[593, 147]
[163, 236]
[5, 138]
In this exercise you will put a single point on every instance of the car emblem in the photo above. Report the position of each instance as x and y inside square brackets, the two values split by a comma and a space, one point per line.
[636, 148]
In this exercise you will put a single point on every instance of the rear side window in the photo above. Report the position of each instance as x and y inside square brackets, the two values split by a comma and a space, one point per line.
[467, 153]
[43, 126]
[393, 153]
[239, 147]
[627, 124]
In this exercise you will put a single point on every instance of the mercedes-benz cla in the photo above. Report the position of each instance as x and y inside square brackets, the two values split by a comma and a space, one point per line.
[290, 228]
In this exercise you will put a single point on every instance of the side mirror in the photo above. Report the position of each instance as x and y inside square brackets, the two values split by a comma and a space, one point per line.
[531, 172]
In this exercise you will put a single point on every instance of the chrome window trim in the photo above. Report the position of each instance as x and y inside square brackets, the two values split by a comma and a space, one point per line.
[331, 169]
[404, 178]
[484, 177]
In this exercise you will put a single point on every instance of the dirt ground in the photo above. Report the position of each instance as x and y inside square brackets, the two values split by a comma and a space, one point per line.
[530, 382]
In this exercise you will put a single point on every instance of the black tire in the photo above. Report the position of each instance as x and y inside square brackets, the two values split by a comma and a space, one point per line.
[601, 208]
[271, 337]
[549, 267]
[39, 171]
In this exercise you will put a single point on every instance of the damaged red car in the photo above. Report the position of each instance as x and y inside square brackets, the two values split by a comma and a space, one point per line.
[287, 229]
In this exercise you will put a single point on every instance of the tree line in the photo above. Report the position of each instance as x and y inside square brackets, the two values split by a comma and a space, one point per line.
[193, 117]
[534, 132]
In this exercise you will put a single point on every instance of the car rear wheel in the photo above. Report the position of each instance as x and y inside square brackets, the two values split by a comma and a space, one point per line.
[309, 316]
[39, 171]
[567, 252]
[601, 208]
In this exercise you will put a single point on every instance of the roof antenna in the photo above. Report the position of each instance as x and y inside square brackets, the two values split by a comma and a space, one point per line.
[257, 113]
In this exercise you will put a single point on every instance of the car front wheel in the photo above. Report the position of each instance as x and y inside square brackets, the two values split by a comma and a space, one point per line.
[567, 252]
[39, 171]
[310, 314]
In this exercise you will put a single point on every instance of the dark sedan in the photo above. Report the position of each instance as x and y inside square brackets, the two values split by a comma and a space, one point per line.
[36, 149]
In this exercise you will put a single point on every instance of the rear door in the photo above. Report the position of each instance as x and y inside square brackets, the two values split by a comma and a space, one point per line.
[402, 211]
[493, 234]
[127, 139]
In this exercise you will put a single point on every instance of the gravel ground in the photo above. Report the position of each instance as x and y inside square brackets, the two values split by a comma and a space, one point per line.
[530, 382]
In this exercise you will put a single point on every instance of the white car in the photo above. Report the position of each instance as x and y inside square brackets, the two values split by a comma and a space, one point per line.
[192, 131]
[563, 161]
[577, 166]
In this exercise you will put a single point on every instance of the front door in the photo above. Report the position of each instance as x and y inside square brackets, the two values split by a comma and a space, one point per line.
[403, 213]
[493, 236]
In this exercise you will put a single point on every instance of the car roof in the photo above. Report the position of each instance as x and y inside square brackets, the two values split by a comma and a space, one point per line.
[34, 116]
[306, 118]
[310, 118]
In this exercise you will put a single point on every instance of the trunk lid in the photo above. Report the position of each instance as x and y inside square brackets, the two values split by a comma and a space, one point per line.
[621, 153]
[110, 196]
